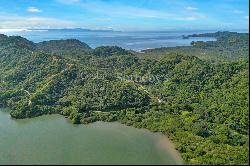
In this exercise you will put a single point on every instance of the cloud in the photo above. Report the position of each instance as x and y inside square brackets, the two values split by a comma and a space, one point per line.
[114, 11]
[33, 10]
[237, 11]
[191, 8]
[246, 17]
[74, 1]
[191, 18]
[68, 1]
[105, 13]
[12, 30]
[21, 22]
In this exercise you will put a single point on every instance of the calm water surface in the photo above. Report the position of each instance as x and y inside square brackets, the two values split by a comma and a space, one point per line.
[53, 140]
[136, 41]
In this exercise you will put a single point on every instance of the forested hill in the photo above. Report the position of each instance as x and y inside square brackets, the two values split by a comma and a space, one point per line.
[201, 106]
[69, 46]
[15, 42]
[230, 46]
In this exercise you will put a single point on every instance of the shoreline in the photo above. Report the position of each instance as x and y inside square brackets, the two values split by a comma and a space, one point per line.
[170, 147]
[163, 143]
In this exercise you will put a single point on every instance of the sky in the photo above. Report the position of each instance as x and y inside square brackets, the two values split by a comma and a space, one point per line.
[125, 14]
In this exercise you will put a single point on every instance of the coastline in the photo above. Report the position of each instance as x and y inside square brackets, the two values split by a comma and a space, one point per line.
[167, 144]
[163, 143]
[155, 138]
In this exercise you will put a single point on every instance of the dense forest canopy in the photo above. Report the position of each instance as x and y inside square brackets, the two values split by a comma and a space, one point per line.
[63, 46]
[229, 47]
[196, 95]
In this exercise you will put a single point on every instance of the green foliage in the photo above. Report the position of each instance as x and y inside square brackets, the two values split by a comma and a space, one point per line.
[201, 106]
[230, 46]
[61, 47]
[106, 51]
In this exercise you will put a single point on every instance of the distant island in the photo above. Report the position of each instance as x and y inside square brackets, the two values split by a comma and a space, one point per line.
[196, 95]
[218, 35]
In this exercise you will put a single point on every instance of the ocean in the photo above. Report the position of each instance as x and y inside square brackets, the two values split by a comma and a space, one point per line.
[136, 41]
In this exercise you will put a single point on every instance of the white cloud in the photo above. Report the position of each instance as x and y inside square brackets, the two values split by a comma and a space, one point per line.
[107, 11]
[189, 18]
[74, 1]
[131, 12]
[21, 22]
[238, 11]
[69, 1]
[33, 10]
[246, 17]
[191, 8]
[12, 30]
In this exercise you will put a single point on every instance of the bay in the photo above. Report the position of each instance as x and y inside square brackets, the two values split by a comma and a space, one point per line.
[51, 139]
[136, 41]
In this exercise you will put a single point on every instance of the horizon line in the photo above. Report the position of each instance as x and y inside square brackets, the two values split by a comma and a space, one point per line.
[89, 29]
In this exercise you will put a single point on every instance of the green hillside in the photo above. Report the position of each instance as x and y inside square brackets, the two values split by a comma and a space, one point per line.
[196, 95]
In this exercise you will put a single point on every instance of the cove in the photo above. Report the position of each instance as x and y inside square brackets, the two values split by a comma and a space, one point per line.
[51, 139]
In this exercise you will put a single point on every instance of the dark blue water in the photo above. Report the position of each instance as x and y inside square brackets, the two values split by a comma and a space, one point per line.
[129, 40]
